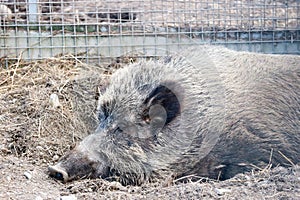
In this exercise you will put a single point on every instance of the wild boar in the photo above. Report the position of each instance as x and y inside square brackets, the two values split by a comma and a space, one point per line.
[208, 111]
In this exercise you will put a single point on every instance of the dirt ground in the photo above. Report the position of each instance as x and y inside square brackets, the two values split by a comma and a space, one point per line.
[280, 183]
[35, 132]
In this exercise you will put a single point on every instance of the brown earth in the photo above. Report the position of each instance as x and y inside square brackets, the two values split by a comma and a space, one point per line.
[279, 183]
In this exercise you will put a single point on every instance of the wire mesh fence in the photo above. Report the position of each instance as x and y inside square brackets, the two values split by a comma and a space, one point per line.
[97, 30]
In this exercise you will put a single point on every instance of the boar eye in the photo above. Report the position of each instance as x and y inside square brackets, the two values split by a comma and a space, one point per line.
[147, 119]
[145, 116]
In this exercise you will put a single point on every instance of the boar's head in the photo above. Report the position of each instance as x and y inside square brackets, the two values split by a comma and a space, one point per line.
[132, 112]
[149, 118]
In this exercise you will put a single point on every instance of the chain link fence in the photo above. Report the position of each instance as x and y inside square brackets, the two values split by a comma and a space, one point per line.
[95, 31]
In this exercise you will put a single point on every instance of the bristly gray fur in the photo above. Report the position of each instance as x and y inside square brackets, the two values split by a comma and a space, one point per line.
[235, 108]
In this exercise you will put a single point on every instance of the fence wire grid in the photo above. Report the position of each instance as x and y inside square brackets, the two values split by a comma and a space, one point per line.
[97, 30]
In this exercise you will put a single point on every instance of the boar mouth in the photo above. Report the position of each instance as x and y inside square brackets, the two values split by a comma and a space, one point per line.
[58, 173]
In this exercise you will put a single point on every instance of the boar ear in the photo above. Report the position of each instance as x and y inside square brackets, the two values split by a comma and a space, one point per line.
[162, 104]
[158, 118]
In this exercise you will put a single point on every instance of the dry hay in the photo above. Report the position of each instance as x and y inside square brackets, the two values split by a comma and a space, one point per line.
[34, 134]
[30, 126]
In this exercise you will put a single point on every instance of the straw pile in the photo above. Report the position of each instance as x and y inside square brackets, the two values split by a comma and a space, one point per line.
[32, 124]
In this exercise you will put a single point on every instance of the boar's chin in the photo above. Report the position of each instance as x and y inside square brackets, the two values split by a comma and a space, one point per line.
[77, 166]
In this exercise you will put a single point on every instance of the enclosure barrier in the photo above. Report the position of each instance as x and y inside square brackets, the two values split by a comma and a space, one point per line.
[95, 31]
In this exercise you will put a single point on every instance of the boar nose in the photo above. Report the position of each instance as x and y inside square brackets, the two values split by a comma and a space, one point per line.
[58, 173]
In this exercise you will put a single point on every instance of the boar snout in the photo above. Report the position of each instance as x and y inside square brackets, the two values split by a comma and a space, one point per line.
[77, 164]
[58, 173]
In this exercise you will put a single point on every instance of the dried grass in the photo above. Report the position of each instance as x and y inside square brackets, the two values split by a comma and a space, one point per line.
[29, 125]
